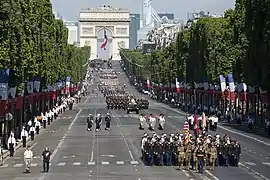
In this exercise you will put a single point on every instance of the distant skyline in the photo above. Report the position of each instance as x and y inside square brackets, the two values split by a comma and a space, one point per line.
[69, 9]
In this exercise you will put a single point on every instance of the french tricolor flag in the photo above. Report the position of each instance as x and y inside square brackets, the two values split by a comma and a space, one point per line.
[231, 86]
[177, 85]
[148, 83]
[104, 44]
[222, 84]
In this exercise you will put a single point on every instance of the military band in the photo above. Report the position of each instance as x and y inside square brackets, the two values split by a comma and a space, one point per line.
[193, 153]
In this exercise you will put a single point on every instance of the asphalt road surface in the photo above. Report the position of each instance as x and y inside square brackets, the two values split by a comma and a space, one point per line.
[115, 155]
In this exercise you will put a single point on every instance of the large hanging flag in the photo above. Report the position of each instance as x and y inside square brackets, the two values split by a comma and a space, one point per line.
[4, 77]
[104, 44]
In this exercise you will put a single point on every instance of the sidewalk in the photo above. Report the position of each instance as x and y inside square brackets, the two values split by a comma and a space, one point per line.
[19, 143]
[244, 127]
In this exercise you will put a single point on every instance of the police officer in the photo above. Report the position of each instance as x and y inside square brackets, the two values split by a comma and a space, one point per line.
[108, 121]
[46, 155]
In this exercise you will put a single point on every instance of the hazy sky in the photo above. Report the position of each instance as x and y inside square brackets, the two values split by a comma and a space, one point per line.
[69, 9]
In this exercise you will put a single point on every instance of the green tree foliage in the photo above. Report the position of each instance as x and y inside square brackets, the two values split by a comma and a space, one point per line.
[237, 43]
[34, 43]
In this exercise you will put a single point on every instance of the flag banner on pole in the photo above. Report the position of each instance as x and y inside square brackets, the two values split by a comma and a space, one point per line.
[59, 83]
[37, 84]
[67, 84]
[12, 92]
[148, 83]
[30, 87]
[231, 86]
[177, 85]
[4, 77]
[104, 44]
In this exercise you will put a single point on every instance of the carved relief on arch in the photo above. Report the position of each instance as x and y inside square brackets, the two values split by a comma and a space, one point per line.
[110, 28]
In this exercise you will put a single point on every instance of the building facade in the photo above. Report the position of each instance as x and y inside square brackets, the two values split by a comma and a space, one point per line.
[72, 32]
[134, 26]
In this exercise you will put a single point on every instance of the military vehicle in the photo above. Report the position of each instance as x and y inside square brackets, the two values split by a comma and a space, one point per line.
[132, 107]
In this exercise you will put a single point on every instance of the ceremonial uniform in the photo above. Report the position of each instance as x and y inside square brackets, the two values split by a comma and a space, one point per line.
[188, 156]
[213, 156]
[181, 155]
[200, 156]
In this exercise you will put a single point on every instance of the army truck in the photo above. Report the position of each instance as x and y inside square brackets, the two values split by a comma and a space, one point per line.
[132, 107]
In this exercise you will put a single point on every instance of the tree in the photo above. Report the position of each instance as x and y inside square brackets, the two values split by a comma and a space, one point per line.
[33, 43]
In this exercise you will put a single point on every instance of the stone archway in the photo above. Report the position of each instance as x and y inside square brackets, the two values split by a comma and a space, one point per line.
[108, 51]
[115, 21]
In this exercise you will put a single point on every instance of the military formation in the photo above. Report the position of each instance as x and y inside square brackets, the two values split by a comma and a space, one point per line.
[193, 153]
[116, 95]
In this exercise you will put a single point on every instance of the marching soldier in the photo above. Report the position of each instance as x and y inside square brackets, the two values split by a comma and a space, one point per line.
[181, 155]
[168, 152]
[188, 156]
[108, 122]
[200, 155]
[194, 163]
[213, 156]
[90, 122]
[98, 122]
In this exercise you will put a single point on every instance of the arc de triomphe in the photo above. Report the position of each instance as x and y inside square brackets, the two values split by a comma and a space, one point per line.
[93, 22]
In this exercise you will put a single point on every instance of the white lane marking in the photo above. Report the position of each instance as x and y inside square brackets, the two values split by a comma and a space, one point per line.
[91, 163]
[226, 129]
[33, 164]
[134, 162]
[110, 155]
[120, 162]
[4, 166]
[253, 172]
[250, 163]
[266, 163]
[36, 157]
[105, 162]
[86, 100]
[18, 165]
[76, 163]
[64, 137]
[61, 164]
[123, 137]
